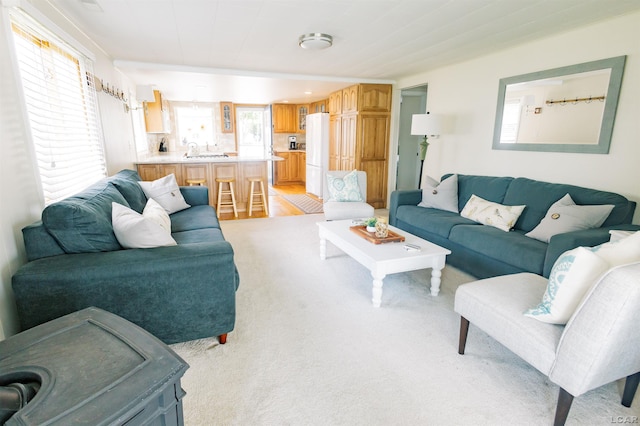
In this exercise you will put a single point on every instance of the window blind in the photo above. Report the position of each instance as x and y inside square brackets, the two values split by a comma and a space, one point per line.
[60, 97]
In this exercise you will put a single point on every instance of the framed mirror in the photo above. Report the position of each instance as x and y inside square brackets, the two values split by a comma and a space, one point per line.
[567, 109]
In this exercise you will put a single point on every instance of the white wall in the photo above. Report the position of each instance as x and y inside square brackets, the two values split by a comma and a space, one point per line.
[467, 93]
[21, 199]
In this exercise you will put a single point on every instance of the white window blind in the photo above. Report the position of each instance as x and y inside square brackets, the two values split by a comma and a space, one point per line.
[62, 110]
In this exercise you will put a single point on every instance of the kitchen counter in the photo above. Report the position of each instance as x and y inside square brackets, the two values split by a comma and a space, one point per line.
[203, 158]
[208, 169]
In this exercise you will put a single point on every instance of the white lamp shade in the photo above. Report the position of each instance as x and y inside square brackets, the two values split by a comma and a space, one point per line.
[426, 124]
[144, 93]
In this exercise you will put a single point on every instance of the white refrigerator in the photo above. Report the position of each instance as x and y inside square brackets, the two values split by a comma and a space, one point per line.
[317, 147]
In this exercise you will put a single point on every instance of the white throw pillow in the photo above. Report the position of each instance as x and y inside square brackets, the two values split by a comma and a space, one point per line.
[565, 216]
[158, 214]
[166, 192]
[345, 188]
[134, 230]
[490, 213]
[621, 252]
[443, 195]
[571, 277]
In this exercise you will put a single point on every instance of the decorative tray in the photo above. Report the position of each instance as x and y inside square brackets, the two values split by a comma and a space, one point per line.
[371, 236]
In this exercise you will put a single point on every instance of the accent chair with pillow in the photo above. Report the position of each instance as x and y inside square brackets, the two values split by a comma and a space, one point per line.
[345, 195]
[161, 263]
[589, 339]
[503, 225]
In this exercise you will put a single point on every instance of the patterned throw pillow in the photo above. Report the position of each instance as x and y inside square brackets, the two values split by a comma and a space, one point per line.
[442, 196]
[344, 189]
[565, 216]
[571, 277]
[490, 213]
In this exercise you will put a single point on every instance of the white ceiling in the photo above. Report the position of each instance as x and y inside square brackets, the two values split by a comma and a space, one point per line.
[246, 51]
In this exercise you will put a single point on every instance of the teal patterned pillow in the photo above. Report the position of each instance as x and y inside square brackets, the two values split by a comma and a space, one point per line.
[344, 189]
[570, 279]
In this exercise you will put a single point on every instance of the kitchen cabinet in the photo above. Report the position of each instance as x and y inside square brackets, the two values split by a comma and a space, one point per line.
[292, 169]
[301, 112]
[156, 115]
[284, 118]
[359, 126]
[319, 106]
[226, 117]
[151, 172]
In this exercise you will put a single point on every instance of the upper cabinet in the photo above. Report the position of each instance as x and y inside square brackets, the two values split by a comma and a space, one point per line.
[156, 115]
[319, 106]
[302, 111]
[284, 118]
[226, 117]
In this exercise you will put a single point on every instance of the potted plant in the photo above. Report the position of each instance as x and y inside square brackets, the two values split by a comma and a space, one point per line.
[370, 223]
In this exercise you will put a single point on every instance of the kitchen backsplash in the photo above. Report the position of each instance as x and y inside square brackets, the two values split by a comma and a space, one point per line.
[281, 140]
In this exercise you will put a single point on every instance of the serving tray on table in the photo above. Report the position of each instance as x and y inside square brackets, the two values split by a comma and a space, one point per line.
[371, 236]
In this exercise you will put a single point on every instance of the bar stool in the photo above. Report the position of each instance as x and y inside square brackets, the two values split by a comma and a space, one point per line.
[262, 198]
[230, 192]
[196, 182]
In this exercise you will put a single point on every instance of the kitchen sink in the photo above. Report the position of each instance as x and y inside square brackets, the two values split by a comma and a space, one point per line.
[206, 156]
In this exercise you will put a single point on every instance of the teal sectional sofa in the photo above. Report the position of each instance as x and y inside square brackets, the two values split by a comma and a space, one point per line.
[177, 293]
[485, 251]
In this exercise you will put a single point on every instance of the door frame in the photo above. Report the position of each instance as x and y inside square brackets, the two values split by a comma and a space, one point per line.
[407, 142]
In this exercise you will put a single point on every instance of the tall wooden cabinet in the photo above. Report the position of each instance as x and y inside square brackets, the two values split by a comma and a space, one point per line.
[156, 115]
[359, 126]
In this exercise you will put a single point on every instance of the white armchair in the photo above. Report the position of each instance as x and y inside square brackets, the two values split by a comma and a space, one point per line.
[600, 343]
[338, 210]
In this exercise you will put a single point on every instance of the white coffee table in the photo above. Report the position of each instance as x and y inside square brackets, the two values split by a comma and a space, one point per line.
[386, 258]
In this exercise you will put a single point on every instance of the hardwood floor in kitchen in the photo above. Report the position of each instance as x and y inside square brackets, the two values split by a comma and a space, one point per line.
[278, 206]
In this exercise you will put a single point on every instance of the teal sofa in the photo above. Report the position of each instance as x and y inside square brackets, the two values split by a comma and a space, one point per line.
[177, 293]
[484, 251]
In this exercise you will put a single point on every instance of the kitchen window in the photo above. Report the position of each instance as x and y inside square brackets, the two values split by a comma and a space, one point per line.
[195, 125]
[62, 111]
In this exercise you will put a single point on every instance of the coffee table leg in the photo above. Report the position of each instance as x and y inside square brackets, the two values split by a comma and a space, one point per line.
[435, 281]
[323, 248]
[377, 289]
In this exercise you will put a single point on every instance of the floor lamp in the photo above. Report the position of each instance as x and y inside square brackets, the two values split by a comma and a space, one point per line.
[425, 125]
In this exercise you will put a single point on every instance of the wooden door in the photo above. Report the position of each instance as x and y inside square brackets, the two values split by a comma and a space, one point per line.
[374, 98]
[284, 118]
[350, 99]
[153, 119]
[148, 172]
[348, 145]
[335, 138]
[335, 102]
[282, 168]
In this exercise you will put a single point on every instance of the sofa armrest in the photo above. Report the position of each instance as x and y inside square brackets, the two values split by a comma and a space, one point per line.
[195, 195]
[586, 238]
[406, 197]
[173, 292]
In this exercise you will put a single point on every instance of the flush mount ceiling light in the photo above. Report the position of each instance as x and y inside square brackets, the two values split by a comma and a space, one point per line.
[315, 41]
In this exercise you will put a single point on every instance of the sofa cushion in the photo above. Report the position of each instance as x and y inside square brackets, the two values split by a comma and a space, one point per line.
[344, 188]
[512, 247]
[195, 217]
[488, 187]
[198, 236]
[565, 216]
[82, 223]
[440, 195]
[126, 181]
[621, 252]
[166, 192]
[493, 214]
[539, 196]
[572, 276]
[435, 221]
[135, 230]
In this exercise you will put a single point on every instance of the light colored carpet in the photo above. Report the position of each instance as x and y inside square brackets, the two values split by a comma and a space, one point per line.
[309, 349]
[304, 203]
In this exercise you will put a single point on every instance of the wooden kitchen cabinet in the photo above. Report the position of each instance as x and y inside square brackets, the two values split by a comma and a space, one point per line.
[284, 118]
[156, 115]
[226, 117]
[292, 169]
[319, 106]
[151, 172]
[301, 118]
[359, 127]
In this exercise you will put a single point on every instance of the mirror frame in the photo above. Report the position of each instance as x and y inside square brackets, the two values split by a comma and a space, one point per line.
[616, 65]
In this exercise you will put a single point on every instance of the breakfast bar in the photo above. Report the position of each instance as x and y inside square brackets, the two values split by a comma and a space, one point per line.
[193, 170]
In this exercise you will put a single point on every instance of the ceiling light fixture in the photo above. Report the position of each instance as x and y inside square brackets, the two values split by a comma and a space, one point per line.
[315, 41]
